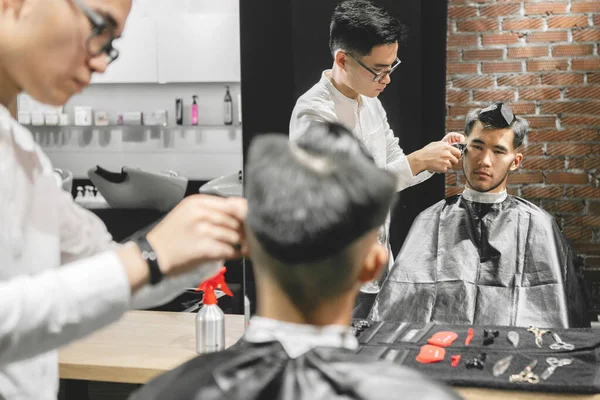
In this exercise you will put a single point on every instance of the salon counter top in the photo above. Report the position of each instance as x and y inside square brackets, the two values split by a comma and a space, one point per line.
[494, 394]
[144, 344]
[138, 347]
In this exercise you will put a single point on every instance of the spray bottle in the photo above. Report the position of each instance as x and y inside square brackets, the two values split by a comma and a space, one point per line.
[210, 320]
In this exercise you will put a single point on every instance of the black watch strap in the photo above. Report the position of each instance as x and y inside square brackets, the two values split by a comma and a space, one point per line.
[149, 256]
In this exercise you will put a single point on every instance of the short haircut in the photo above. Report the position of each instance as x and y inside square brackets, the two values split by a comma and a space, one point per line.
[359, 25]
[492, 118]
[308, 202]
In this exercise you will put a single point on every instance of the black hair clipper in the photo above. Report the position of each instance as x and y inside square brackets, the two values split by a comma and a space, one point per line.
[461, 146]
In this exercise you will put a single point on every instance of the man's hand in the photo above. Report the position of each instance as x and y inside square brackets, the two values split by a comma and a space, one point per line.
[435, 157]
[454, 137]
[201, 228]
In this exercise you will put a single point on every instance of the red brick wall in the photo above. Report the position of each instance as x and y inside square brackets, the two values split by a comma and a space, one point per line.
[542, 57]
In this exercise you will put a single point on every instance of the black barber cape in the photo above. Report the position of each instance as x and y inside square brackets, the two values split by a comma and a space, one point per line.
[472, 263]
[252, 371]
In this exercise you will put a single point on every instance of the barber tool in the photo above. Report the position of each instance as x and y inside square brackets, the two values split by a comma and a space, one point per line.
[372, 352]
[554, 364]
[455, 360]
[421, 333]
[538, 335]
[393, 334]
[470, 334]
[501, 365]
[210, 320]
[460, 146]
[526, 375]
[358, 326]
[476, 362]
[513, 338]
[560, 345]
[396, 355]
[489, 336]
[443, 339]
[430, 354]
[365, 333]
[490, 333]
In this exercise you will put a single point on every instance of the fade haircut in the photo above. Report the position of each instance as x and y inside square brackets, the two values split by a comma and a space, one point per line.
[495, 117]
[359, 25]
[308, 203]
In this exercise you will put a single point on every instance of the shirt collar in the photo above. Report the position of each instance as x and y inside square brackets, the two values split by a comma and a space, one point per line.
[325, 81]
[8, 126]
[298, 339]
[487, 198]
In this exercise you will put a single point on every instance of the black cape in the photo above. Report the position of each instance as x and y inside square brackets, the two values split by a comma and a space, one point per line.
[252, 371]
[485, 264]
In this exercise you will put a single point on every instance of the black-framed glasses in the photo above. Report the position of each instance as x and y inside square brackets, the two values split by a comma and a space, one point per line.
[102, 36]
[378, 76]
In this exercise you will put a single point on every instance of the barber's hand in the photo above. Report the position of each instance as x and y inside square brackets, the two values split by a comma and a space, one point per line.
[454, 137]
[201, 228]
[435, 157]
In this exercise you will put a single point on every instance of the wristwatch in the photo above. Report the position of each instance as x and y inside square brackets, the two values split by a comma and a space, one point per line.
[149, 255]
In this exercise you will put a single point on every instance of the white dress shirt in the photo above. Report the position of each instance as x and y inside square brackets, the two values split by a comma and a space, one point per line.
[365, 117]
[59, 278]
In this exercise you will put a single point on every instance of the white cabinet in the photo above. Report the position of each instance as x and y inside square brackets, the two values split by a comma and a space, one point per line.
[182, 41]
[137, 53]
[199, 48]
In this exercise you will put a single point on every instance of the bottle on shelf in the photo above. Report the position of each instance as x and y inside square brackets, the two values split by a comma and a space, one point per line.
[228, 108]
[179, 111]
[194, 110]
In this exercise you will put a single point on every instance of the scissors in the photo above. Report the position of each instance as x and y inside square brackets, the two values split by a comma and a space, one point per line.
[560, 345]
[526, 375]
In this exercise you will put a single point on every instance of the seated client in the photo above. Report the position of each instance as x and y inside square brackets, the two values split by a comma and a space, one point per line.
[484, 257]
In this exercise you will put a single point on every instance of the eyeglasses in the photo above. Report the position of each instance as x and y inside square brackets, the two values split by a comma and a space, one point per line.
[102, 36]
[378, 76]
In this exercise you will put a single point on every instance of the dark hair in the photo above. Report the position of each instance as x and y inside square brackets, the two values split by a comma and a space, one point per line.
[359, 25]
[308, 202]
[498, 116]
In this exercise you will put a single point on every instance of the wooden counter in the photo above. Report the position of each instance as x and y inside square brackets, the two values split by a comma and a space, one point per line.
[144, 344]
[140, 346]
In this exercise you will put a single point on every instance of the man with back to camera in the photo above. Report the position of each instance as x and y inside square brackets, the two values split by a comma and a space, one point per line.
[364, 41]
[310, 260]
[484, 257]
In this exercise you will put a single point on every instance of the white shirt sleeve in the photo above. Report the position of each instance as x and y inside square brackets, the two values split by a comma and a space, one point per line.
[43, 312]
[397, 162]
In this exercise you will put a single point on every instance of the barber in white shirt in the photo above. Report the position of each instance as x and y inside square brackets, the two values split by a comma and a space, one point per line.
[363, 39]
[61, 276]
[364, 42]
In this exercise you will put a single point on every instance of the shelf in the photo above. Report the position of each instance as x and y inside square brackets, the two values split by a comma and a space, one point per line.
[139, 138]
[33, 128]
[197, 152]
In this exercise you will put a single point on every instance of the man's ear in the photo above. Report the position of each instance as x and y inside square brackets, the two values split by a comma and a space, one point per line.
[340, 59]
[374, 263]
[516, 162]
